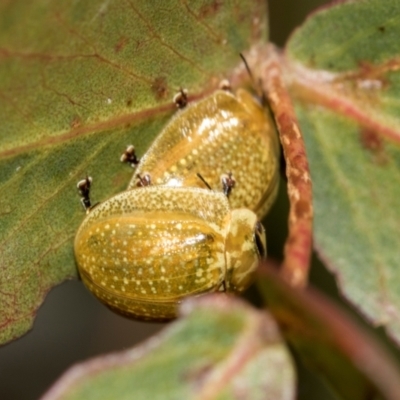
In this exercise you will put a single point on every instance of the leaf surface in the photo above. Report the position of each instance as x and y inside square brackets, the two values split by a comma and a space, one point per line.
[343, 66]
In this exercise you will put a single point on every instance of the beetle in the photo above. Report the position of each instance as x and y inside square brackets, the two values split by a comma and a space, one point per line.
[177, 234]
[223, 135]
[145, 249]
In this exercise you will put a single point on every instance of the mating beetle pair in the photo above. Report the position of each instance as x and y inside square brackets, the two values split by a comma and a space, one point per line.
[142, 251]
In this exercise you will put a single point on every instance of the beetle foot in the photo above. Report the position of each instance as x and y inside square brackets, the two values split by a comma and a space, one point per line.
[143, 180]
[222, 288]
[225, 85]
[228, 183]
[181, 98]
[83, 187]
[129, 156]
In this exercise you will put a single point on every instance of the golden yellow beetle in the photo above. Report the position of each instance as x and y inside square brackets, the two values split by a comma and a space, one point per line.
[142, 251]
[221, 136]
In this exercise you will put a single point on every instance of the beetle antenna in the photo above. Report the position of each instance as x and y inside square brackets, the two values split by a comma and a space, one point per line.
[257, 85]
[248, 70]
[203, 180]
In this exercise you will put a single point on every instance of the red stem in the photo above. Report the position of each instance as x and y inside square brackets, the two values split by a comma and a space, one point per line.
[298, 246]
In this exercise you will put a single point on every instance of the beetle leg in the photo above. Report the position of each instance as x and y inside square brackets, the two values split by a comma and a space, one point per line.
[225, 85]
[256, 85]
[222, 287]
[228, 182]
[143, 180]
[181, 99]
[84, 191]
[129, 156]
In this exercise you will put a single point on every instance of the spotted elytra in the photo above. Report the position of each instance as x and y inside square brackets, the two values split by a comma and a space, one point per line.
[222, 135]
[144, 250]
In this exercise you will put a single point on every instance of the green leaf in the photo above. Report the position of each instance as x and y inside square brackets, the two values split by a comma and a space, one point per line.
[223, 349]
[345, 76]
[78, 82]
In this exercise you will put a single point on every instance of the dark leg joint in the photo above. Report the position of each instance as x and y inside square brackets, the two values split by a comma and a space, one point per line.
[84, 191]
[228, 183]
[181, 99]
[129, 156]
[143, 180]
[225, 85]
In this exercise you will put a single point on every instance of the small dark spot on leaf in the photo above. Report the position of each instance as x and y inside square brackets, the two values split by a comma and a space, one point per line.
[129, 103]
[370, 140]
[373, 142]
[209, 9]
[122, 42]
[381, 29]
[159, 87]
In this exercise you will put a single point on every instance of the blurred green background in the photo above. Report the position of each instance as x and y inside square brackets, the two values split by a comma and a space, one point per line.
[72, 326]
